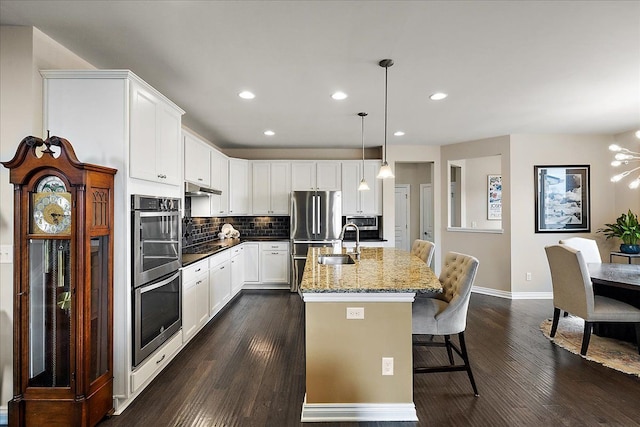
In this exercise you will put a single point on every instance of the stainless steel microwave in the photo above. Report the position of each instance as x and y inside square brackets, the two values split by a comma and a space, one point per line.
[364, 222]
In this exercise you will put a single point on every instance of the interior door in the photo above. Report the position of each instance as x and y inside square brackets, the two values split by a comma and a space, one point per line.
[402, 216]
[426, 212]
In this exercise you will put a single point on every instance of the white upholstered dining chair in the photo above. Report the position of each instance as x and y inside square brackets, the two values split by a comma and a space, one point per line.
[424, 250]
[588, 247]
[573, 292]
[446, 314]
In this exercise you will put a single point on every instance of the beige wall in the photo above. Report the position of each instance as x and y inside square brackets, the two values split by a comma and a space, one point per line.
[475, 191]
[527, 254]
[23, 52]
[494, 270]
[344, 357]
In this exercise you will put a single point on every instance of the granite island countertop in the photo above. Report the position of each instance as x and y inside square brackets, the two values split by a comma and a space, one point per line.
[378, 270]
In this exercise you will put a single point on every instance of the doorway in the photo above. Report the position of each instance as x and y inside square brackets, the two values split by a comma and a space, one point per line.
[403, 216]
[418, 178]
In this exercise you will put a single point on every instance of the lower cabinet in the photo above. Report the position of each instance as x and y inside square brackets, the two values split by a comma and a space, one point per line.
[237, 269]
[155, 363]
[195, 298]
[251, 262]
[219, 281]
[274, 262]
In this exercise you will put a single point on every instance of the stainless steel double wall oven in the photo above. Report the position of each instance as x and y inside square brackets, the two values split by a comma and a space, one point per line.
[156, 261]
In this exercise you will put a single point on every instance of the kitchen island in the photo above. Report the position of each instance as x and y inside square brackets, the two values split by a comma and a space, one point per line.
[358, 334]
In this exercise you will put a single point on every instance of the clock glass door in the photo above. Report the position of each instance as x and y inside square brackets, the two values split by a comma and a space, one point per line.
[50, 312]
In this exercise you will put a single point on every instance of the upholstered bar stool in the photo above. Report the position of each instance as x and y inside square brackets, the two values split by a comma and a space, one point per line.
[424, 250]
[446, 314]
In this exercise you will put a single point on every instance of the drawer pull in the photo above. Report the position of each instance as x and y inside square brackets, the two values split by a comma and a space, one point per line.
[161, 359]
[198, 270]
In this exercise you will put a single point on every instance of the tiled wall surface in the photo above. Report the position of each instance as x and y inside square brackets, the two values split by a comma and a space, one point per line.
[201, 230]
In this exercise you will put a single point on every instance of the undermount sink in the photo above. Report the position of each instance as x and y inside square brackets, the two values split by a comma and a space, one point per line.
[335, 259]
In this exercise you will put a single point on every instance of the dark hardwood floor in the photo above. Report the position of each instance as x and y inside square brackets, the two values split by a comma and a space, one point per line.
[246, 368]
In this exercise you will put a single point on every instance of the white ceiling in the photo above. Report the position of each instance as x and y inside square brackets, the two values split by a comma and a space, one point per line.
[508, 66]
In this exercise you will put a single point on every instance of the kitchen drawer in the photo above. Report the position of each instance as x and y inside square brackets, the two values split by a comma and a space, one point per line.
[219, 258]
[194, 270]
[156, 362]
[274, 246]
[236, 250]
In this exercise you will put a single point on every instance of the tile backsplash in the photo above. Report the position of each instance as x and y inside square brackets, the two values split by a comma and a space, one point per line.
[196, 230]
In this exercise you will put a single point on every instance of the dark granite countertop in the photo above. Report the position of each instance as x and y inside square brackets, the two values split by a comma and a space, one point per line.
[201, 251]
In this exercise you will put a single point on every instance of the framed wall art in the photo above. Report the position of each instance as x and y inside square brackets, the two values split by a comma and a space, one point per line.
[494, 196]
[562, 199]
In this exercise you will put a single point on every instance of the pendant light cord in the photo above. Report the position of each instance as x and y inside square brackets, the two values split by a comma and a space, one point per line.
[386, 80]
[362, 115]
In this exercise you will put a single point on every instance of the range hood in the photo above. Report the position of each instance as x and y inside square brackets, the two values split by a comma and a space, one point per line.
[194, 190]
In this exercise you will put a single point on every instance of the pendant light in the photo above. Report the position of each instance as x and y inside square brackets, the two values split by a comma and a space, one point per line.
[385, 169]
[363, 183]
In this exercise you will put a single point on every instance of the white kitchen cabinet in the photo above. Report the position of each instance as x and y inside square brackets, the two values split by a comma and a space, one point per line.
[237, 269]
[238, 186]
[271, 186]
[251, 262]
[219, 281]
[318, 175]
[197, 160]
[274, 262]
[155, 147]
[219, 181]
[195, 298]
[356, 202]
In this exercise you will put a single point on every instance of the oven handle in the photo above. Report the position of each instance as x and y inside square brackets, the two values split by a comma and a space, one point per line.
[161, 283]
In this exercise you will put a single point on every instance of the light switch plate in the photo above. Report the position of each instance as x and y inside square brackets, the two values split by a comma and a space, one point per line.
[6, 254]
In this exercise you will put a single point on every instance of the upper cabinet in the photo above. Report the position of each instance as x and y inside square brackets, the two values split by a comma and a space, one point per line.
[271, 186]
[197, 160]
[219, 181]
[320, 175]
[108, 113]
[238, 187]
[155, 137]
[367, 202]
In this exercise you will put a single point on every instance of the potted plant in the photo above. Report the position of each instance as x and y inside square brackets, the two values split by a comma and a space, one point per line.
[627, 229]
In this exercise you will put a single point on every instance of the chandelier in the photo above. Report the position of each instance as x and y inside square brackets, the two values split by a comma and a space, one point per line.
[624, 157]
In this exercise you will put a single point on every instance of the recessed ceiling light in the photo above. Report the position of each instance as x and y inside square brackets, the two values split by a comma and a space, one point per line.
[269, 132]
[398, 133]
[339, 96]
[438, 96]
[245, 94]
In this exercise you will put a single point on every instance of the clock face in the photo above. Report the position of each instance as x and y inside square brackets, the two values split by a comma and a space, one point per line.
[52, 213]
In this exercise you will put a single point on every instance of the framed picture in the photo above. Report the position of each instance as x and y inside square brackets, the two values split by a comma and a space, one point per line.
[494, 196]
[562, 199]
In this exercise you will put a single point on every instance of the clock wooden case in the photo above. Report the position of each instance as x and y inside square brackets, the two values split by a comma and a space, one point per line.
[63, 286]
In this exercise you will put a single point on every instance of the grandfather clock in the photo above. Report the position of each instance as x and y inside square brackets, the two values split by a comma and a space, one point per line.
[63, 286]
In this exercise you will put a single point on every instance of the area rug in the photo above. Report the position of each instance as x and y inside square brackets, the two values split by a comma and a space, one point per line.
[619, 355]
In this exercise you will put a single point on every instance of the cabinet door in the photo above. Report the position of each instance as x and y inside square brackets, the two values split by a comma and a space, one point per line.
[328, 176]
[350, 194]
[143, 135]
[219, 286]
[168, 147]
[202, 301]
[238, 186]
[251, 262]
[237, 272]
[261, 188]
[280, 187]
[189, 321]
[219, 181]
[197, 161]
[303, 176]
[370, 201]
[274, 267]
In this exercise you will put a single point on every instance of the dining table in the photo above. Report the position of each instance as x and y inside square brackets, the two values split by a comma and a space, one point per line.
[621, 282]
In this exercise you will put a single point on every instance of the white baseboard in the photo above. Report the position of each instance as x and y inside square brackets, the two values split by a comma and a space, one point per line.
[353, 412]
[512, 295]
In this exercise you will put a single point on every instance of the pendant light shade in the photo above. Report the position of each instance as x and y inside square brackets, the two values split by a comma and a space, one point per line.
[363, 183]
[385, 169]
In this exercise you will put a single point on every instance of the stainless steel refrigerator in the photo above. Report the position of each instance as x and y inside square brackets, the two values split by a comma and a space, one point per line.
[316, 220]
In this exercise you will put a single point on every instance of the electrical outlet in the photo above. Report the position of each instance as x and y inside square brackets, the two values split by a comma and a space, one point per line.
[6, 254]
[387, 366]
[528, 277]
[355, 312]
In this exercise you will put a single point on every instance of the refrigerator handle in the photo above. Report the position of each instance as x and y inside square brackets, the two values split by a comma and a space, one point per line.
[320, 230]
[313, 214]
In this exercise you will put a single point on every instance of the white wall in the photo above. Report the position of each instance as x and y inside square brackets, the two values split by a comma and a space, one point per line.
[23, 52]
